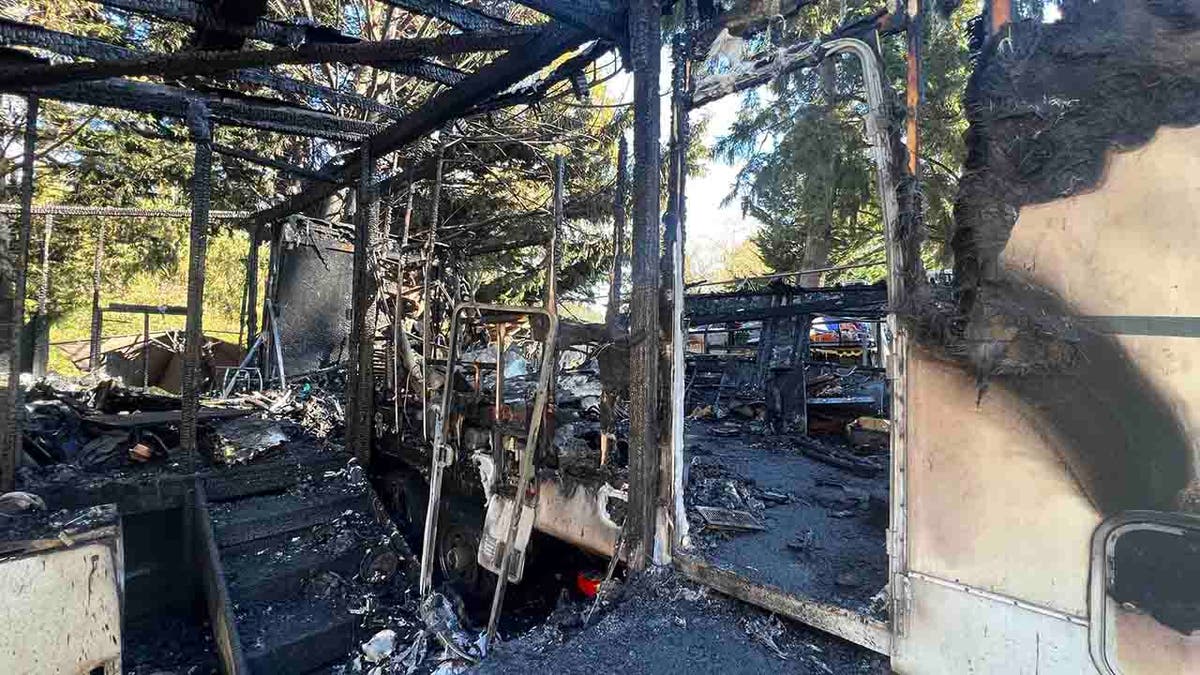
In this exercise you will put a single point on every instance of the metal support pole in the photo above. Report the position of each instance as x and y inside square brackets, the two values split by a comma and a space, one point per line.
[145, 349]
[252, 289]
[10, 432]
[97, 315]
[400, 346]
[553, 255]
[197, 249]
[645, 47]
[360, 383]
[499, 457]
[41, 348]
[427, 277]
[274, 260]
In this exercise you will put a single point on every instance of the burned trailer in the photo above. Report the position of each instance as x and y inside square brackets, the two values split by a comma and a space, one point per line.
[1042, 470]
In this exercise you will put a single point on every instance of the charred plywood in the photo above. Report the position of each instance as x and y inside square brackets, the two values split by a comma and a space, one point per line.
[314, 304]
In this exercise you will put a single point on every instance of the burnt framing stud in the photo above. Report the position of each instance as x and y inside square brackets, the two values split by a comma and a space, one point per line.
[10, 421]
[198, 123]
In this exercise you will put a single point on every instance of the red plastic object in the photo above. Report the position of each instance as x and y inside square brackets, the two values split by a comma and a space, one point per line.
[588, 583]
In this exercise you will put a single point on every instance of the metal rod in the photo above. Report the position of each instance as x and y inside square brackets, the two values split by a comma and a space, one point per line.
[197, 250]
[277, 343]
[145, 350]
[400, 344]
[41, 349]
[117, 212]
[427, 276]
[499, 457]
[252, 289]
[10, 437]
[97, 313]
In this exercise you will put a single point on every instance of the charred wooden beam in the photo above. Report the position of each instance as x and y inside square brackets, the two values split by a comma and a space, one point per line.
[190, 381]
[276, 164]
[645, 46]
[533, 93]
[422, 69]
[16, 33]
[215, 62]
[854, 306]
[172, 101]
[360, 384]
[449, 105]
[453, 13]
[283, 34]
[602, 18]
[201, 15]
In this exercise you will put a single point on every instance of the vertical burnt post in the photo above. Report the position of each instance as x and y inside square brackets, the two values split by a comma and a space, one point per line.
[41, 349]
[10, 421]
[198, 122]
[252, 288]
[672, 521]
[97, 315]
[360, 385]
[612, 313]
[999, 13]
[913, 83]
[645, 44]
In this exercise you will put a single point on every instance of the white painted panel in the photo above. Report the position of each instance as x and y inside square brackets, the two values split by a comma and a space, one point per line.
[952, 632]
[61, 611]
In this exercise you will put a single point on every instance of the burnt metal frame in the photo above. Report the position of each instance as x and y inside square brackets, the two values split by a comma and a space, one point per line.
[442, 457]
[869, 633]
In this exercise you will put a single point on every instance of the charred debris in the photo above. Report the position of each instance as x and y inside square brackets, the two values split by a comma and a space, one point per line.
[397, 472]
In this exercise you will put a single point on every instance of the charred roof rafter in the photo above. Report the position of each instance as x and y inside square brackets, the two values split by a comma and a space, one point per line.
[66, 44]
[501, 73]
[453, 13]
[214, 62]
[602, 18]
[157, 99]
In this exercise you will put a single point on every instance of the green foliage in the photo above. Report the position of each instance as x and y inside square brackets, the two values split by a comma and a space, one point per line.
[107, 157]
[808, 174]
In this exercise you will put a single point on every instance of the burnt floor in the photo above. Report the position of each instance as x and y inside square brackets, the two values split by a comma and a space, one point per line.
[660, 623]
[824, 536]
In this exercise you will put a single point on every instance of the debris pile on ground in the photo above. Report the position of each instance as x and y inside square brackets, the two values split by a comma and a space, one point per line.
[661, 623]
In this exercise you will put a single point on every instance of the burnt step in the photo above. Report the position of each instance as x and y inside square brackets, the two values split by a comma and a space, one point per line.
[278, 568]
[298, 635]
[244, 521]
